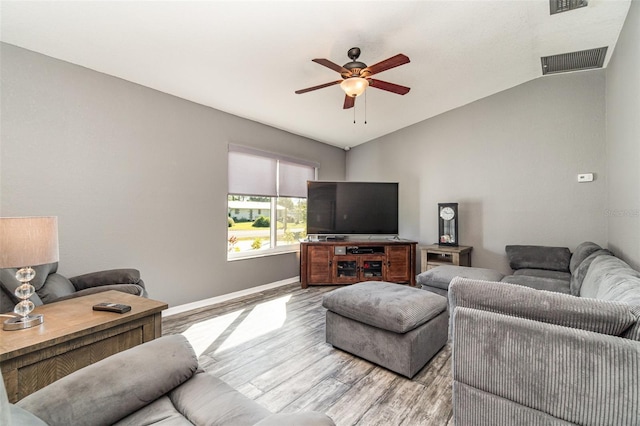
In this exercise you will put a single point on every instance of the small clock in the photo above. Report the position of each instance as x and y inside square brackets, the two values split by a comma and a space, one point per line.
[447, 213]
[448, 224]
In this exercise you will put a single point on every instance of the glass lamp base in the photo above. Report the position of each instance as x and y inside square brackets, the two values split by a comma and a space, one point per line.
[20, 323]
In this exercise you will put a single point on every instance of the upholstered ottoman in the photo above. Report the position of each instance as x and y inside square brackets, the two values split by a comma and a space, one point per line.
[437, 279]
[392, 325]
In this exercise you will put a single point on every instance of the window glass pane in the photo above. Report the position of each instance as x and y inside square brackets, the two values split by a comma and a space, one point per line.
[248, 231]
[293, 179]
[252, 175]
[292, 217]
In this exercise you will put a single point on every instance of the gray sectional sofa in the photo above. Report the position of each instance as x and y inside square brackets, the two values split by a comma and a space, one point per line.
[158, 382]
[548, 346]
[540, 267]
[552, 268]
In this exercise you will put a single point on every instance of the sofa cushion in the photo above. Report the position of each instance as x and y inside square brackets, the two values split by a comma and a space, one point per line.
[205, 399]
[577, 277]
[56, 286]
[539, 283]
[544, 273]
[392, 307]
[441, 276]
[42, 273]
[161, 412]
[594, 276]
[134, 289]
[574, 376]
[539, 257]
[599, 316]
[111, 276]
[610, 278]
[581, 253]
[309, 418]
[114, 387]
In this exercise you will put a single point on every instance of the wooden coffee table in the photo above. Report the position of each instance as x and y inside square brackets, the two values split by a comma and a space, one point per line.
[74, 336]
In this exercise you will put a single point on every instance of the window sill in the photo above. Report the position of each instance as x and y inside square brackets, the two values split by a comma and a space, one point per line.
[232, 257]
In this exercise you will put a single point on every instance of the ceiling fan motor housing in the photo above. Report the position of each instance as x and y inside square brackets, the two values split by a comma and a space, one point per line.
[354, 66]
[355, 69]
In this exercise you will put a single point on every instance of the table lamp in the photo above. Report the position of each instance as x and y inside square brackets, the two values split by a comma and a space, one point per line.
[26, 242]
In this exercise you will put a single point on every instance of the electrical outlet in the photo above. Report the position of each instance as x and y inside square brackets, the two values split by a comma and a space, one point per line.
[585, 177]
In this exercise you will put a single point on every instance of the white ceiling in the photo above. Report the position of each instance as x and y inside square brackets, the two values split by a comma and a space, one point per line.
[248, 58]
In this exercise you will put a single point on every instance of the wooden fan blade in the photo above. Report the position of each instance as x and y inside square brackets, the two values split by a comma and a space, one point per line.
[322, 86]
[331, 65]
[349, 102]
[387, 64]
[389, 87]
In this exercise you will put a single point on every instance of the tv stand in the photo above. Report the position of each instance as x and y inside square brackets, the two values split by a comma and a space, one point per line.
[348, 262]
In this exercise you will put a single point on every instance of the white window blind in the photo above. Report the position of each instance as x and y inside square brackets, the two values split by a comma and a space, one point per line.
[293, 179]
[256, 172]
[252, 175]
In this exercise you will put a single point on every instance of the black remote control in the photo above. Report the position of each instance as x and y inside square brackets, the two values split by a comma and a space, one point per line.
[112, 307]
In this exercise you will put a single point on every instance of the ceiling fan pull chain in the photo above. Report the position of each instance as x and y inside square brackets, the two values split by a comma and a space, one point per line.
[354, 114]
[365, 107]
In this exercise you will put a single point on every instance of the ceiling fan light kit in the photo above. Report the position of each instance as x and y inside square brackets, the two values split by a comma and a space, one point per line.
[354, 86]
[356, 76]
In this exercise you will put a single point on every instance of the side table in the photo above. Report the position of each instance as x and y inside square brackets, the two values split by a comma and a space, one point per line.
[74, 336]
[436, 255]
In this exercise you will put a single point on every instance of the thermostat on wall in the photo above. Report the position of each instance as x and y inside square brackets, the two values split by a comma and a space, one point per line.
[585, 177]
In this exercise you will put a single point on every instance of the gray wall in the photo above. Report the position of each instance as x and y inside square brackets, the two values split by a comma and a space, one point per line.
[623, 142]
[511, 162]
[137, 178]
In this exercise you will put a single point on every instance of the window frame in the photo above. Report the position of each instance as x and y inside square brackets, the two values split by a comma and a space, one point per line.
[274, 249]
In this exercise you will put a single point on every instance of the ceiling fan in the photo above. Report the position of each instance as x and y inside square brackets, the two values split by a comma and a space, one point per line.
[356, 76]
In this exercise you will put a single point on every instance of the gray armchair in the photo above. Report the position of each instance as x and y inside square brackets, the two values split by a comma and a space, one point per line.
[51, 286]
[128, 389]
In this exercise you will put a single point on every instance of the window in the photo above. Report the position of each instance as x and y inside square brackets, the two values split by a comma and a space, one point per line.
[266, 202]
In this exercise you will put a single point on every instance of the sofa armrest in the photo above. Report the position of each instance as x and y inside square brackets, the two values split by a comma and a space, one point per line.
[112, 276]
[117, 386]
[309, 418]
[575, 375]
[600, 316]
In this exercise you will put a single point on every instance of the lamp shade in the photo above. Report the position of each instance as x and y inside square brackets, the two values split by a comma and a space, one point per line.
[354, 86]
[28, 241]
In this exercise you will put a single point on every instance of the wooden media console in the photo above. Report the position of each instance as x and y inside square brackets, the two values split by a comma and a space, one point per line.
[352, 261]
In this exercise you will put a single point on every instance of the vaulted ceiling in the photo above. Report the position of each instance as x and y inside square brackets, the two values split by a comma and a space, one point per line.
[247, 58]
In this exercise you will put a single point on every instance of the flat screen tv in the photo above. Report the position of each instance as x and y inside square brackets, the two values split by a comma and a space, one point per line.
[356, 208]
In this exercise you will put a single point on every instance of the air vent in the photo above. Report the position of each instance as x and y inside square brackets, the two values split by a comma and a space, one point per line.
[574, 61]
[558, 6]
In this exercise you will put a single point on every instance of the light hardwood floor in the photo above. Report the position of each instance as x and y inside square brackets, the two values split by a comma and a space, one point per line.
[271, 347]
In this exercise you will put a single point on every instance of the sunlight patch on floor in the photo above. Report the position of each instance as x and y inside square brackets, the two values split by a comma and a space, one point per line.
[262, 319]
[201, 335]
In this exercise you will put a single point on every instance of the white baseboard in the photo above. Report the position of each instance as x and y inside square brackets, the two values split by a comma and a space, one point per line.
[225, 297]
